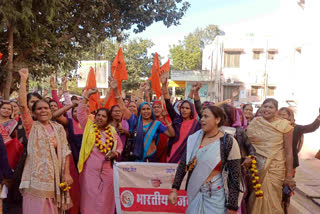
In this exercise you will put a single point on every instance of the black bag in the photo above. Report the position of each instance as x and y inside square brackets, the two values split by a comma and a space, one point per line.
[127, 153]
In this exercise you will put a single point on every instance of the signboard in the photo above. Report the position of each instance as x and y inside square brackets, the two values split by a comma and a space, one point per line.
[144, 188]
[203, 75]
[101, 68]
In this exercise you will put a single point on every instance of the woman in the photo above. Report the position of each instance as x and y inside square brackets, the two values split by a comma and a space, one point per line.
[145, 128]
[7, 130]
[212, 160]
[162, 147]
[16, 109]
[100, 147]
[32, 97]
[53, 106]
[132, 106]
[298, 131]
[272, 139]
[120, 124]
[184, 124]
[248, 112]
[75, 133]
[47, 162]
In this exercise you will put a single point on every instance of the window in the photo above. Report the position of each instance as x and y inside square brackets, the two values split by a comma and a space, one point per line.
[232, 59]
[271, 90]
[256, 55]
[254, 90]
[272, 53]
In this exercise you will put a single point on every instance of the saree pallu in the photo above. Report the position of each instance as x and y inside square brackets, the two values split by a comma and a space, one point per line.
[267, 138]
[205, 198]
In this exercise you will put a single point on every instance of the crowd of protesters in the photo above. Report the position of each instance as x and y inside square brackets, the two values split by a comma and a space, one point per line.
[58, 157]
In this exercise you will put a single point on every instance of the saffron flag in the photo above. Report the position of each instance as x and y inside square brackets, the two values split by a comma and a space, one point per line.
[155, 76]
[119, 73]
[1, 55]
[91, 83]
[165, 68]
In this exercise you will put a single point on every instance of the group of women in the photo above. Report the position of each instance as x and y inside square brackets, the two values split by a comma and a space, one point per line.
[57, 158]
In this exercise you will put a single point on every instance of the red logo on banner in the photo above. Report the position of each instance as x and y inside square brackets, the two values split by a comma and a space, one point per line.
[151, 200]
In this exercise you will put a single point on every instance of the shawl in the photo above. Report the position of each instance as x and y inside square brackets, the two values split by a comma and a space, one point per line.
[183, 128]
[142, 140]
[44, 166]
[88, 140]
[267, 138]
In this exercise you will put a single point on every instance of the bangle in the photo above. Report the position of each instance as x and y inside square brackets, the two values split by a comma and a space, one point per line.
[169, 124]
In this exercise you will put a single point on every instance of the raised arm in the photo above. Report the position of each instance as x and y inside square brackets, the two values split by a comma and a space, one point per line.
[311, 127]
[196, 96]
[170, 132]
[25, 114]
[165, 92]
[58, 115]
[287, 138]
[147, 92]
[53, 85]
[114, 86]
[140, 93]
[82, 111]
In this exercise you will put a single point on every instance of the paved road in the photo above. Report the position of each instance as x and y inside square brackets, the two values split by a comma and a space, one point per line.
[308, 184]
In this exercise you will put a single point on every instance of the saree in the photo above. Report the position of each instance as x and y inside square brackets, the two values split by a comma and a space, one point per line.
[205, 198]
[44, 168]
[267, 138]
[183, 129]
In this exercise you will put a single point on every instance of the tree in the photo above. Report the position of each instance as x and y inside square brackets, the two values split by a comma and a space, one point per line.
[45, 35]
[187, 54]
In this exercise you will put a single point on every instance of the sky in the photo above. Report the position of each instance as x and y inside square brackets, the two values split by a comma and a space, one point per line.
[202, 13]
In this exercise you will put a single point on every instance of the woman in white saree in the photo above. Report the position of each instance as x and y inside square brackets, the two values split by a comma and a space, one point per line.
[213, 162]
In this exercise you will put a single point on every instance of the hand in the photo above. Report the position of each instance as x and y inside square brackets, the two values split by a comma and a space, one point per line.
[92, 91]
[164, 80]
[122, 130]
[53, 83]
[142, 86]
[290, 182]
[193, 87]
[246, 163]
[198, 86]
[24, 73]
[64, 84]
[164, 113]
[147, 86]
[68, 179]
[8, 182]
[173, 197]
[235, 93]
[75, 103]
[113, 83]
[112, 156]
[60, 92]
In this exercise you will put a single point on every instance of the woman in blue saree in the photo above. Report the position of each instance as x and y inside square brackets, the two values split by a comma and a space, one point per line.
[144, 127]
[212, 159]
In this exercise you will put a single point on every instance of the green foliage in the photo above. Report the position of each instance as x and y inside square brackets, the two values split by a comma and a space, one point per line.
[187, 55]
[55, 34]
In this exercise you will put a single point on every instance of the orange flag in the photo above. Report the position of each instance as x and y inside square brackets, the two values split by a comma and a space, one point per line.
[165, 68]
[1, 55]
[119, 73]
[155, 76]
[91, 83]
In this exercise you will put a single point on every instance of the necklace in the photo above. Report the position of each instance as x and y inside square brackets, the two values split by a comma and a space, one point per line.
[214, 135]
[107, 146]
